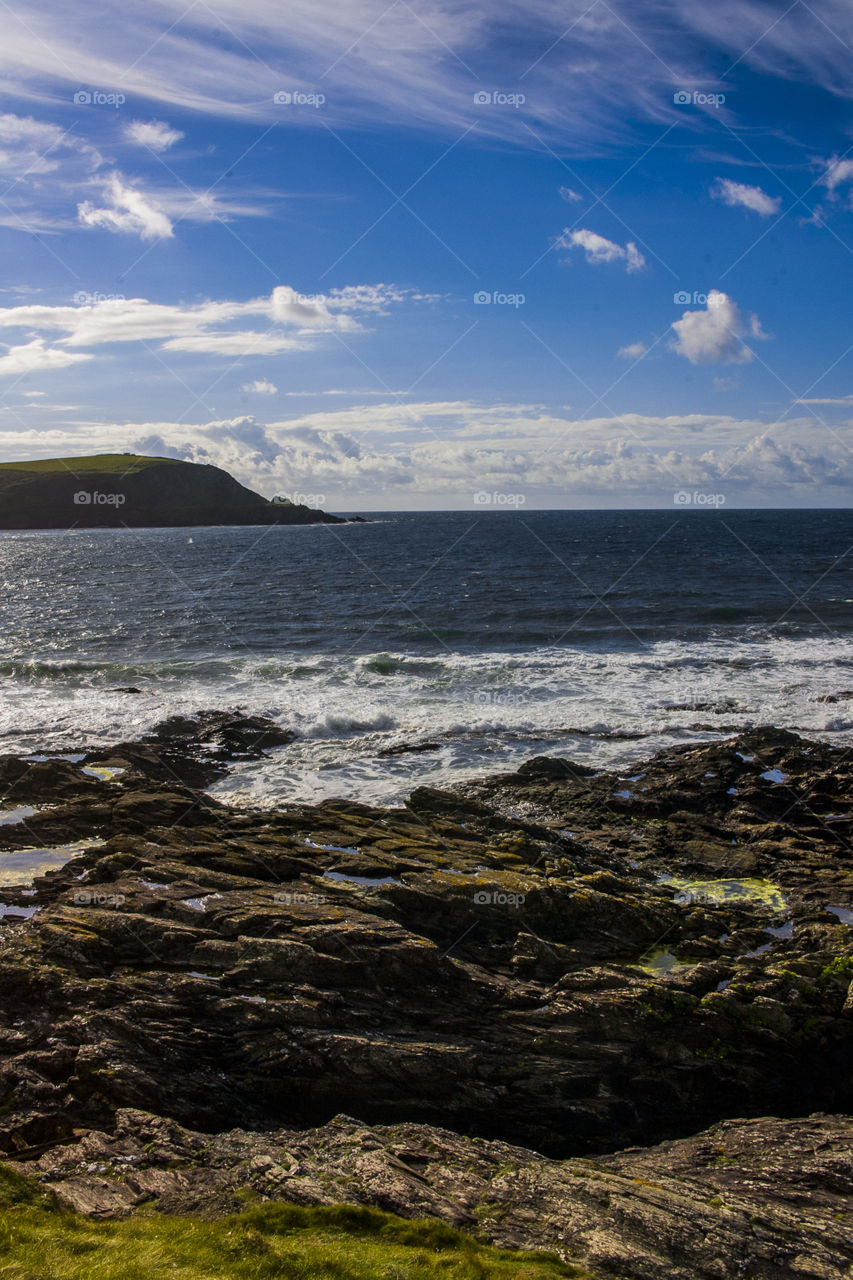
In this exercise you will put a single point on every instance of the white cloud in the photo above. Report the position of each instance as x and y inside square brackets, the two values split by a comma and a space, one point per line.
[261, 387]
[31, 150]
[245, 342]
[413, 66]
[838, 173]
[38, 161]
[716, 334]
[156, 135]
[634, 351]
[292, 308]
[738, 193]
[841, 400]
[34, 356]
[27, 152]
[191, 205]
[356, 393]
[127, 210]
[290, 321]
[569, 195]
[439, 453]
[598, 249]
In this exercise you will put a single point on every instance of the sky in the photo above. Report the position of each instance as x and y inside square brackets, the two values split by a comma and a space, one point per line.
[436, 255]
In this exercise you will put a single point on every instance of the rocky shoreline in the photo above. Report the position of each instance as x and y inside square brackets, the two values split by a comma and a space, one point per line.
[503, 984]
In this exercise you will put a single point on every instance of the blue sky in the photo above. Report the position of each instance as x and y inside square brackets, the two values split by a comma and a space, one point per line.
[436, 255]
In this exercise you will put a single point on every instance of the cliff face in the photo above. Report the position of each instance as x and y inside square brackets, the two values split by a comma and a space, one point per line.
[116, 490]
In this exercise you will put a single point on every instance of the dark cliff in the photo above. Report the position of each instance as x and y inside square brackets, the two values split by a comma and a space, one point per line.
[116, 490]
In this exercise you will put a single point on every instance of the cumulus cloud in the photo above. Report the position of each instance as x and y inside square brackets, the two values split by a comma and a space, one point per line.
[599, 250]
[440, 453]
[569, 195]
[634, 351]
[156, 135]
[739, 194]
[715, 335]
[33, 356]
[261, 387]
[127, 210]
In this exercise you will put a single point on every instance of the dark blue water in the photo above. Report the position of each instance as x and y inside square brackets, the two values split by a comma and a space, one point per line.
[492, 634]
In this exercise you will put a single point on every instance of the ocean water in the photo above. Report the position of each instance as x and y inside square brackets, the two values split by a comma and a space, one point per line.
[491, 636]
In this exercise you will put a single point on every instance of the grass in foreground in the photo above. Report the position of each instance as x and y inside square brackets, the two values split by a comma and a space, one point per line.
[269, 1242]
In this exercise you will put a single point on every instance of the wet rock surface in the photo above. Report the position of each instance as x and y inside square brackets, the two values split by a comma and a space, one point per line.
[564, 961]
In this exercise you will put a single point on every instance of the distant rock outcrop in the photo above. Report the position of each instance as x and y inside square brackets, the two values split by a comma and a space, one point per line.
[114, 490]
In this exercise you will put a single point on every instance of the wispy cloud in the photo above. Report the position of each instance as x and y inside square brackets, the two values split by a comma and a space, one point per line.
[128, 210]
[845, 401]
[634, 351]
[423, 66]
[156, 135]
[291, 322]
[598, 249]
[837, 174]
[739, 194]
[261, 387]
[85, 188]
[30, 148]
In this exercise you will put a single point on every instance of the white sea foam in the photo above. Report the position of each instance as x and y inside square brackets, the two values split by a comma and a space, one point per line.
[480, 711]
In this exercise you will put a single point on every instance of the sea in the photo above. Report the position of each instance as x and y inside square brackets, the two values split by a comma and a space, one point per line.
[431, 647]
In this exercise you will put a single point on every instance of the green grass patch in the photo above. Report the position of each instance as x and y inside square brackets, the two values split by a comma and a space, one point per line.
[97, 464]
[268, 1242]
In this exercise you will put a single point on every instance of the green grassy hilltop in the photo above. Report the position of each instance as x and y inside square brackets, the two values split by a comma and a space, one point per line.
[97, 464]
